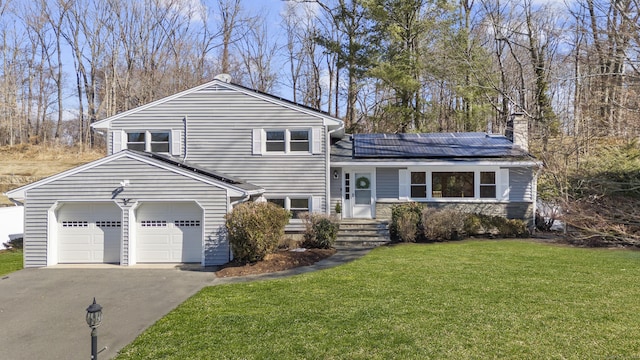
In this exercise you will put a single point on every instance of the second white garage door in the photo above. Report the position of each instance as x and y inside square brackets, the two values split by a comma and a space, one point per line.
[169, 232]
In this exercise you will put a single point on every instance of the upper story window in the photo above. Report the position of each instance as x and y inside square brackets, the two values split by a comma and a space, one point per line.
[160, 141]
[136, 141]
[276, 141]
[150, 141]
[287, 141]
[299, 140]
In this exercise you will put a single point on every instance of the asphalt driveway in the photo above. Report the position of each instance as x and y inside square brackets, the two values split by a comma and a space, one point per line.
[42, 311]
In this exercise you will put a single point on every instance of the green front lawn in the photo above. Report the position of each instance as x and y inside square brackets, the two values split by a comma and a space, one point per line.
[10, 261]
[471, 299]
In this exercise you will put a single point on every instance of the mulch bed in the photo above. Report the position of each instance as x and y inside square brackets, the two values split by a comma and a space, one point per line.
[281, 260]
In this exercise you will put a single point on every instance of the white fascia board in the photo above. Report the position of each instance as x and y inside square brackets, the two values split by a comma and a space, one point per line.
[19, 193]
[437, 163]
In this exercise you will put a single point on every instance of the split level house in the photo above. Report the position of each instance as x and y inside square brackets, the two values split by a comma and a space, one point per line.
[176, 166]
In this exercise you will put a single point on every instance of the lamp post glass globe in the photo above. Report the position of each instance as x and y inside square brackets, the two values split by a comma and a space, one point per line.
[94, 314]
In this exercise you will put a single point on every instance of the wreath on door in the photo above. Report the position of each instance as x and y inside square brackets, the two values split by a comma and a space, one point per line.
[362, 182]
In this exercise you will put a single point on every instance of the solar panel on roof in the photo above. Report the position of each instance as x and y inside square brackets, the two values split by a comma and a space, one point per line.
[431, 145]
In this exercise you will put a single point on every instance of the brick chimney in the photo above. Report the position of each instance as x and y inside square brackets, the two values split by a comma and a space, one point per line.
[518, 131]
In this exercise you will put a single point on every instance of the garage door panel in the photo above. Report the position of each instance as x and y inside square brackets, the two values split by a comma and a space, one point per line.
[89, 233]
[169, 232]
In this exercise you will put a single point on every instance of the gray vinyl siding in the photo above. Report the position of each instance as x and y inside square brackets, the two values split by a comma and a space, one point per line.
[387, 183]
[335, 189]
[147, 182]
[219, 128]
[521, 180]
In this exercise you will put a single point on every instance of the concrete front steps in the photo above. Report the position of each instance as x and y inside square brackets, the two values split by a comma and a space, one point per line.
[362, 233]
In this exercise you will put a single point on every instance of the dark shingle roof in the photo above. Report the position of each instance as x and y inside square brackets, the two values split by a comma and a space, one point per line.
[238, 183]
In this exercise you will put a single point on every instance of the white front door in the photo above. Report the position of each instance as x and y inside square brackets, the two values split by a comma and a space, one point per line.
[359, 193]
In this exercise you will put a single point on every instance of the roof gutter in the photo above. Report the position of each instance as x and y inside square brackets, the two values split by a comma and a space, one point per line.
[438, 163]
[328, 170]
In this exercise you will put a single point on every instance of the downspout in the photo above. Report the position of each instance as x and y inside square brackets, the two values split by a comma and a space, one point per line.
[328, 171]
[535, 196]
[185, 147]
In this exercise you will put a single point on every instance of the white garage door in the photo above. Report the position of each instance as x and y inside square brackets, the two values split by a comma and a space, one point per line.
[169, 232]
[89, 233]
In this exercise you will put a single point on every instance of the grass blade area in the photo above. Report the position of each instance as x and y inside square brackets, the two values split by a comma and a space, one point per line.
[10, 261]
[471, 299]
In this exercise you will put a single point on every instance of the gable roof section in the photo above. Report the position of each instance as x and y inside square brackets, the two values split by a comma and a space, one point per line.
[237, 187]
[327, 119]
[433, 145]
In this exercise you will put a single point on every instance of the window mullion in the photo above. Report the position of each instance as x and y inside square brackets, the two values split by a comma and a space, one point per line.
[476, 184]
[287, 141]
[147, 141]
[428, 180]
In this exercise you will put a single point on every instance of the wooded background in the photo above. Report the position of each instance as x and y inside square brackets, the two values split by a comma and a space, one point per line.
[381, 65]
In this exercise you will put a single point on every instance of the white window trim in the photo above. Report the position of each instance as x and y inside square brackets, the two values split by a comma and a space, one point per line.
[501, 175]
[259, 141]
[313, 202]
[120, 140]
[496, 176]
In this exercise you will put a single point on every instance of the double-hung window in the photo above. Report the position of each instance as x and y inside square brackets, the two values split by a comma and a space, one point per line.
[418, 184]
[136, 141]
[287, 141]
[276, 141]
[299, 140]
[296, 205]
[159, 141]
[487, 184]
[150, 141]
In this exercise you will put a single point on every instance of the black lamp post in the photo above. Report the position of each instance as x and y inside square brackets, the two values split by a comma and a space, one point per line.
[94, 318]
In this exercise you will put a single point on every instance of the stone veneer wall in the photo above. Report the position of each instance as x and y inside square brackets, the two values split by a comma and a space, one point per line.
[519, 210]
